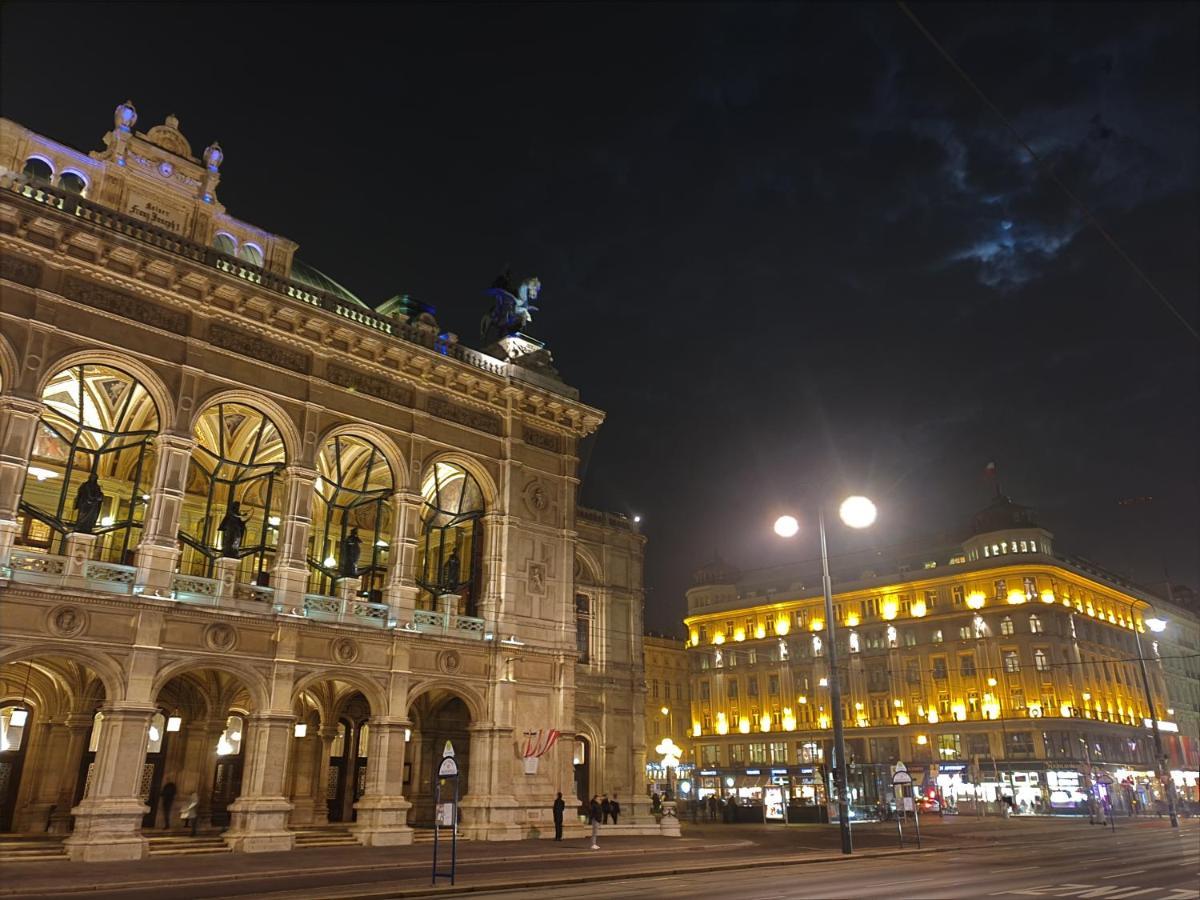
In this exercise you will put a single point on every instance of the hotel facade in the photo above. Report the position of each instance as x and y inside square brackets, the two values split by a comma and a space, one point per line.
[991, 668]
[277, 548]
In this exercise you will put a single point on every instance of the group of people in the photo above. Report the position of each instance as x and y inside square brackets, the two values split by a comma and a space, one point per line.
[598, 811]
[191, 811]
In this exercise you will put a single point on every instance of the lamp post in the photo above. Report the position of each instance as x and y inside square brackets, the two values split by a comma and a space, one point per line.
[857, 512]
[1156, 625]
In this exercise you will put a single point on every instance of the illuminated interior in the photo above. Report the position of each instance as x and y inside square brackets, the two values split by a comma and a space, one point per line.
[451, 521]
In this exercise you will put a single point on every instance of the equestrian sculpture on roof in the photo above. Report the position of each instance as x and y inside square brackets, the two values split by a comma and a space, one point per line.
[512, 310]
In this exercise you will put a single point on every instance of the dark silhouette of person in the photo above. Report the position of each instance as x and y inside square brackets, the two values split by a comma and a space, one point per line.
[233, 530]
[615, 808]
[559, 806]
[605, 809]
[88, 500]
[166, 797]
[450, 572]
[351, 547]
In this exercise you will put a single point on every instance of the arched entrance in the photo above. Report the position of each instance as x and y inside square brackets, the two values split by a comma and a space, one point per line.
[46, 708]
[437, 717]
[582, 760]
[206, 717]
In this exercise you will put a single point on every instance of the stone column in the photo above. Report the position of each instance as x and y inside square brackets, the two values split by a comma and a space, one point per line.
[199, 761]
[78, 726]
[18, 425]
[401, 590]
[495, 537]
[289, 578]
[55, 753]
[320, 783]
[79, 550]
[258, 818]
[108, 821]
[382, 818]
[490, 806]
[305, 752]
[158, 552]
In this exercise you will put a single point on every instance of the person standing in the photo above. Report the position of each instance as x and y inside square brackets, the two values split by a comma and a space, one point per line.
[191, 812]
[614, 808]
[167, 799]
[559, 806]
[605, 808]
[594, 813]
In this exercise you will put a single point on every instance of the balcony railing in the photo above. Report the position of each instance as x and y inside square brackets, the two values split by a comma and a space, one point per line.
[81, 208]
[48, 570]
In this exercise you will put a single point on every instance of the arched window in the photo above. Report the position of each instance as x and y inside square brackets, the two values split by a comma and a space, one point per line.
[36, 167]
[450, 548]
[235, 473]
[230, 741]
[73, 182]
[92, 462]
[251, 253]
[1006, 625]
[225, 243]
[351, 517]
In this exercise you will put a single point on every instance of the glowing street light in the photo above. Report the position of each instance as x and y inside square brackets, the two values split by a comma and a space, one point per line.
[856, 512]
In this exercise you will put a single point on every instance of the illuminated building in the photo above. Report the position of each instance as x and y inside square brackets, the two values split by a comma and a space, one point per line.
[405, 563]
[990, 666]
[668, 701]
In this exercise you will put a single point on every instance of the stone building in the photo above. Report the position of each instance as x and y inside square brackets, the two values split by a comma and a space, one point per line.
[276, 548]
[668, 703]
[991, 667]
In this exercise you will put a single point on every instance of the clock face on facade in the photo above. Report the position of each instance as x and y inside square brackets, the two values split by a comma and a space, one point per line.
[165, 169]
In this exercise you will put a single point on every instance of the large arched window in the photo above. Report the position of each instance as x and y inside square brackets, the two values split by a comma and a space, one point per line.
[235, 473]
[92, 462]
[224, 243]
[450, 547]
[351, 516]
[73, 182]
[36, 167]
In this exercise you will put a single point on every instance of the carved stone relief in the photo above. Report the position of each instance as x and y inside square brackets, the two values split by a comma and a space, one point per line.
[136, 308]
[67, 621]
[220, 637]
[229, 338]
[472, 418]
[344, 376]
[344, 651]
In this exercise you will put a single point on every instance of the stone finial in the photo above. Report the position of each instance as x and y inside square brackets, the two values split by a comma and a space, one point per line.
[125, 117]
[172, 121]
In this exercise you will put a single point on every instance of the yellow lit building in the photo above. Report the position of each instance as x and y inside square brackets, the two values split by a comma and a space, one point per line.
[991, 668]
[668, 703]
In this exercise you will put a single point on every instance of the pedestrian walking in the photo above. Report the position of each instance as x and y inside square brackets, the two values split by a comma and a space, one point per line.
[712, 807]
[594, 813]
[559, 806]
[605, 808]
[191, 812]
[167, 799]
[615, 808]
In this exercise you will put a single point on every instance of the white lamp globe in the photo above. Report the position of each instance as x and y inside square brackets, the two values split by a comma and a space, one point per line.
[857, 512]
[786, 526]
[1156, 624]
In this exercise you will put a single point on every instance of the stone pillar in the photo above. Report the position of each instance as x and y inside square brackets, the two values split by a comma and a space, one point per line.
[401, 590]
[226, 571]
[347, 590]
[108, 821]
[79, 552]
[495, 537]
[78, 726]
[199, 762]
[490, 807]
[289, 578]
[18, 425]
[158, 552]
[305, 752]
[320, 783]
[55, 753]
[382, 813]
[258, 818]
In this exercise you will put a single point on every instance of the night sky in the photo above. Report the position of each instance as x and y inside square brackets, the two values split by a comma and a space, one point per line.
[785, 247]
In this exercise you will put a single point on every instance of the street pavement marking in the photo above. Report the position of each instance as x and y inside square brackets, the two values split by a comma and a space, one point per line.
[1107, 892]
[1123, 874]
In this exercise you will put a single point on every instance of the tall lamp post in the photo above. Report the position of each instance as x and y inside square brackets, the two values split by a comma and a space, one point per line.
[857, 512]
[1156, 625]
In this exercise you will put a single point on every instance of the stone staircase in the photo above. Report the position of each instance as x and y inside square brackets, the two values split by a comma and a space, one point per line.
[186, 845]
[31, 847]
[324, 836]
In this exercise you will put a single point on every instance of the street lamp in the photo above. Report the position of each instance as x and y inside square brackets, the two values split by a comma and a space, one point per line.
[670, 760]
[1157, 625]
[857, 512]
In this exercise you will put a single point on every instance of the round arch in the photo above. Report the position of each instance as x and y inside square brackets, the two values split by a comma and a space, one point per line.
[382, 441]
[146, 376]
[487, 485]
[251, 680]
[283, 422]
[590, 564]
[107, 669]
[373, 693]
[8, 366]
[473, 701]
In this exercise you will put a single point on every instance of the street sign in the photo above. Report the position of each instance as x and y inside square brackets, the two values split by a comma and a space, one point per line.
[448, 768]
[899, 767]
[901, 777]
[446, 810]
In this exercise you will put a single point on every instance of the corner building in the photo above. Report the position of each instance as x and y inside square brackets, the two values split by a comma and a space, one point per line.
[991, 668]
[275, 547]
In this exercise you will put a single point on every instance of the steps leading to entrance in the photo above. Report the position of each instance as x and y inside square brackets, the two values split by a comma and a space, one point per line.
[425, 836]
[325, 836]
[31, 847]
[186, 845]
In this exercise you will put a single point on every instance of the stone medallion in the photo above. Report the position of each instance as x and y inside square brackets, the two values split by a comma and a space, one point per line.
[449, 661]
[344, 651]
[67, 621]
[220, 637]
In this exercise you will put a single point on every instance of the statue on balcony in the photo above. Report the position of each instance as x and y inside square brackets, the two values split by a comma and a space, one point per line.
[233, 531]
[88, 501]
[450, 573]
[512, 309]
[351, 548]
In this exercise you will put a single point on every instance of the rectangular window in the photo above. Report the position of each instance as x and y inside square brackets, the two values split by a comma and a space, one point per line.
[654, 688]
[912, 672]
[704, 634]
[957, 594]
[966, 666]
[1001, 587]
[752, 687]
[707, 723]
[1012, 662]
[710, 754]
[964, 632]
[583, 627]
[943, 703]
[1020, 745]
[939, 667]
[910, 638]
[1030, 584]
[779, 754]
[1040, 661]
[758, 753]
[773, 685]
[949, 746]
[977, 745]
[737, 753]
[705, 690]
[937, 636]
[931, 599]
[732, 689]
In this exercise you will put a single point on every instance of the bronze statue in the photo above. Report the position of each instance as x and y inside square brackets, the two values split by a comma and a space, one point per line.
[88, 501]
[450, 572]
[233, 530]
[351, 547]
[512, 308]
